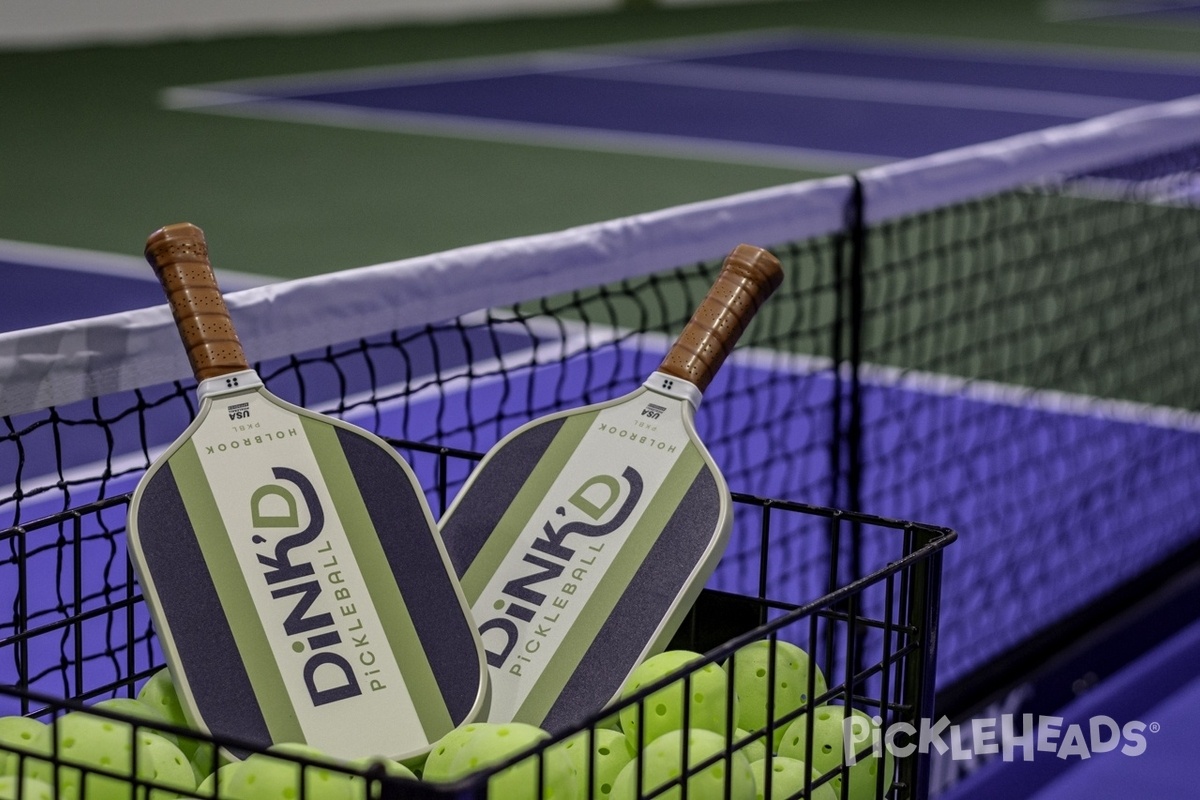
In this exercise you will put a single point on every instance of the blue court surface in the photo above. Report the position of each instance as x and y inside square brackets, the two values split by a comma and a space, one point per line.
[1136, 738]
[792, 99]
[47, 285]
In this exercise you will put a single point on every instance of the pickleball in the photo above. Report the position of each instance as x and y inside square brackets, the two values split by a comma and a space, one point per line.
[498, 742]
[706, 702]
[662, 761]
[754, 676]
[22, 733]
[829, 726]
[787, 779]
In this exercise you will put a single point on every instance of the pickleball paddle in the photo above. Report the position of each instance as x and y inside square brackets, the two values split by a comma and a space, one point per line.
[582, 538]
[295, 576]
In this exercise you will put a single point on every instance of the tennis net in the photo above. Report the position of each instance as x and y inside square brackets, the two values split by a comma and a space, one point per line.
[999, 339]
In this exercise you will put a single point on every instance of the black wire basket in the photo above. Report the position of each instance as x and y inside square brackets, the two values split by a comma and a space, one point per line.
[856, 657]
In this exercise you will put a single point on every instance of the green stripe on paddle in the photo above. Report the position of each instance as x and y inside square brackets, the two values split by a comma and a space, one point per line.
[612, 586]
[386, 596]
[521, 510]
[228, 580]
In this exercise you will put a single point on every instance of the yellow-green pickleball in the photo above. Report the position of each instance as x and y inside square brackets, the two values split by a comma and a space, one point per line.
[829, 725]
[278, 776]
[96, 757]
[439, 762]
[141, 711]
[752, 679]
[787, 779]
[324, 775]
[25, 734]
[172, 772]
[218, 780]
[661, 762]
[15, 788]
[88, 741]
[416, 764]
[493, 743]
[663, 711]
[753, 745]
[159, 693]
[610, 752]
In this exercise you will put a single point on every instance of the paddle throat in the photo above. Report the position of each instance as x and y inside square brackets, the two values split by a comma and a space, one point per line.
[672, 386]
[228, 384]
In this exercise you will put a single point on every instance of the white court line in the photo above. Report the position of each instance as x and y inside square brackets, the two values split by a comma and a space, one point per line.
[871, 90]
[1079, 57]
[984, 391]
[1060, 54]
[223, 100]
[244, 98]
[524, 133]
[97, 262]
[1022, 397]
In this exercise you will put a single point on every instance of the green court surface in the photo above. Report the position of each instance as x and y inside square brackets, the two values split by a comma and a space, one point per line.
[93, 160]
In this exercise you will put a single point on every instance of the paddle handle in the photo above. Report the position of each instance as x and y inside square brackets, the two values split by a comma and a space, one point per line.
[748, 277]
[179, 255]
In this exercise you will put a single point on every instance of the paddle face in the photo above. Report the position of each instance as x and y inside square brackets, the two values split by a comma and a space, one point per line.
[294, 581]
[297, 582]
[581, 541]
[295, 587]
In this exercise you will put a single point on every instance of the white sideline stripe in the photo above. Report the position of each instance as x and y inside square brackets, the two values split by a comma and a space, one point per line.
[985, 391]
[252, 99]
[1078, 57]
[101, 263]
[661, 72]
[522, 133]
[876, 90]
[1073, 56]
[1023, 397]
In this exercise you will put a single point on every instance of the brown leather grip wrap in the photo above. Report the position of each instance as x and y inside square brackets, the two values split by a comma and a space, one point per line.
[748, 277]
[179, 256]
